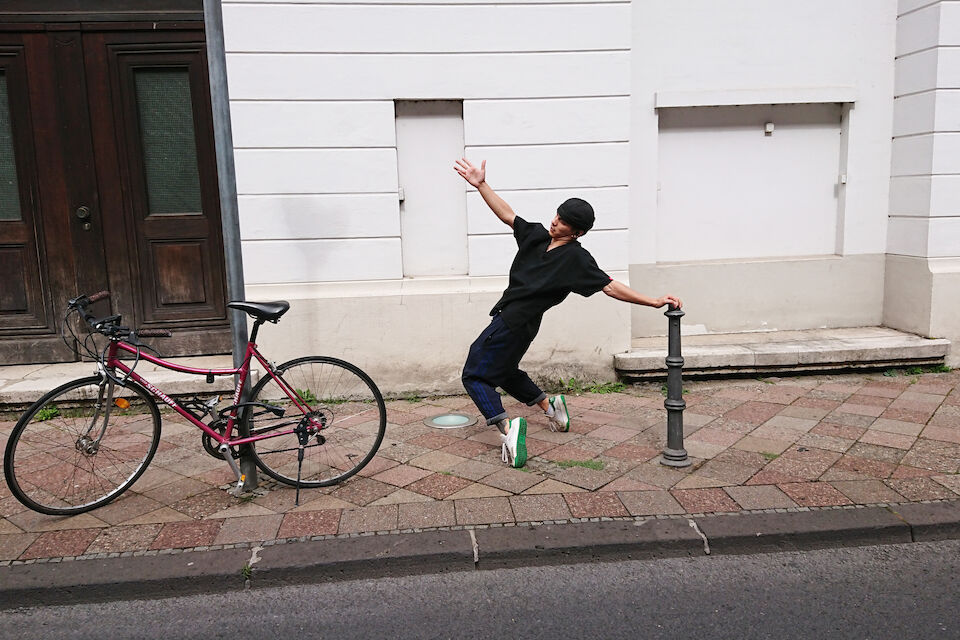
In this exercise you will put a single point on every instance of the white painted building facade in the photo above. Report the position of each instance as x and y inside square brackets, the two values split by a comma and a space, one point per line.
[773, 163]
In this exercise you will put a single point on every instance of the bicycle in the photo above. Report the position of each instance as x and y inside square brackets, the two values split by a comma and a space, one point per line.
[83, 444]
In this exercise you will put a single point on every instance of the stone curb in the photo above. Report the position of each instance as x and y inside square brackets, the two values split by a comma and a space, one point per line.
[464, 548]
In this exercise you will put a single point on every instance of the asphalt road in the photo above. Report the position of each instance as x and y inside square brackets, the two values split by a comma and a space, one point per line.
[896, 591]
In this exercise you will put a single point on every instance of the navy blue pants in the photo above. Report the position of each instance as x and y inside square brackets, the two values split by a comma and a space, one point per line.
[493, 362]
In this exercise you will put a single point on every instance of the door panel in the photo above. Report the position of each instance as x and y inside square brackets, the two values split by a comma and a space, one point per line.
[119, 119]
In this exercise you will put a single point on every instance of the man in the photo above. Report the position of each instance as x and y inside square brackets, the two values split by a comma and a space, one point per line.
[549, 264]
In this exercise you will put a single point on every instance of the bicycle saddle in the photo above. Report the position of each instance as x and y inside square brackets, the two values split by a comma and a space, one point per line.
[262, 310]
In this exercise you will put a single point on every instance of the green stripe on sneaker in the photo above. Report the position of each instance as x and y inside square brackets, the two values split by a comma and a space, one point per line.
[521, 457]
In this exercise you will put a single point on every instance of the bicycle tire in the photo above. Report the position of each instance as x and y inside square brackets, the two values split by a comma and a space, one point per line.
[345, 398]
[53, 466]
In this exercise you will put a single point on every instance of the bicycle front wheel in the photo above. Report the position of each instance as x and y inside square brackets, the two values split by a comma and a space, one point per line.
[79, 446]
[337, 395]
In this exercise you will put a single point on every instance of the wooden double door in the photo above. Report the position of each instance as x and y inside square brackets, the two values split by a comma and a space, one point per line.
[108, 182]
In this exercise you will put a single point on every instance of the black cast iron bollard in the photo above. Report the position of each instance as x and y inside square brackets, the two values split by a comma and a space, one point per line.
[674, 455]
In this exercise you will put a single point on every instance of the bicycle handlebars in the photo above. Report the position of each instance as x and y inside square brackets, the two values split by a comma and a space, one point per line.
[110, 325]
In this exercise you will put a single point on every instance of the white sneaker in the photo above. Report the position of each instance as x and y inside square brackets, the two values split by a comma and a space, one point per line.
[514, 447]
[560, 420]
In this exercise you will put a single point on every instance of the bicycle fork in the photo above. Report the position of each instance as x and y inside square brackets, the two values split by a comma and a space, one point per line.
[86, 444]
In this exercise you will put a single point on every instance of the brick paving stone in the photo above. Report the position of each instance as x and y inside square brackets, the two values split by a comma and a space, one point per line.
[537, 508]
[849, 419]
[951, 482]
[771, 477]
[54, 544]
[179, 535]
[426, 514]
[656, 474]
[630, 451]
[551, 486]
[780, 394]
[595, 505]
[361, 491]
[829, 443]
[535, 447]
[400, 496]
[568, 452]
[33, 521]
[767, 431]
[436, 461]
[439, 485]
[943, 457]
[125, 538]
[751, 459]
[847, 388]
[180, 489]
[908, 415]
[160, 516]
[805, 413]
[867, 491]
[628, 484]
[595, 417]
[932, 388]
[715, 436]
[896, 426]
[903, 471]
[802, 425]
[753, 412]
[477, 490]
[650, 503]
[401, 451]
[838, 430]
[886, 439]
[512, 480]
[915, 489]
[760, 497]
[943, 434]
[702, 450]
[730, 473]
[483, 510]
[816, 402]
[762, 445]
[11, 546]
[912, 399]
[877, 452]
[401, 475]
[475, 469]
[398, 417]
[378, 464]
[204, 504]
[814, 494]
[434, 440]
[864, 468]
[382, 518]
[589, 479]
[705, 500]
[407, 432]
[249, 529]
[693, 481]
[882, 390]
[466, 448]
[613, 434]
[869, 400]
[309, 523]
[321, 503]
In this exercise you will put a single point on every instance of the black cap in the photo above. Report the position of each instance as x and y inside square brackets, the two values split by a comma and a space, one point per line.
[577, 213]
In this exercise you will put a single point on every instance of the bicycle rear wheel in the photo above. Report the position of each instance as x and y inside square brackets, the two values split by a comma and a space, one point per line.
[77, 448]
[339, 396]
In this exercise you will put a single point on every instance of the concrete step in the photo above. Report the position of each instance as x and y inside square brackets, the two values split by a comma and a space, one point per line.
[783, 352]
[24, 383]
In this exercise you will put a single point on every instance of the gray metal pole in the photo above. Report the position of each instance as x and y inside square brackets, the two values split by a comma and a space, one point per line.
[227, 181]
[674, 455]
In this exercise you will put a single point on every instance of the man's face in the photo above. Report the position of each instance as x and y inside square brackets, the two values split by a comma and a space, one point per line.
[560, 229]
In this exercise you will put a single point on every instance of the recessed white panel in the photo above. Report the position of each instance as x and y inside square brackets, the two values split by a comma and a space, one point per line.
[501, 122]
[438, 28]
[274, 124]
[287, 171]
[291, 217]
[555, 166]
[728, 189]
[289, 261]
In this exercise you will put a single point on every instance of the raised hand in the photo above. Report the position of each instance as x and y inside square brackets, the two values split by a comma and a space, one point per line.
[469, 172]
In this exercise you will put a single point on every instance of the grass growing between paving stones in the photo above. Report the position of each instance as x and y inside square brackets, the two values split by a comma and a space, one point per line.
[770, 456]
[573, 386]
[596, 465]
[916, 371]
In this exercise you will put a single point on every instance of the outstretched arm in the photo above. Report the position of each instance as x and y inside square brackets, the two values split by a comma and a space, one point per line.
[621, 291]
[477, 177]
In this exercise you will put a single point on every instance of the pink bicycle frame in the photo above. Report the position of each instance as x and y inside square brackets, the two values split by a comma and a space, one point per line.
[114, 363]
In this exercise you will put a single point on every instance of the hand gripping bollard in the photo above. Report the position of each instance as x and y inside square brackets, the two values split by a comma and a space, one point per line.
[674, 455]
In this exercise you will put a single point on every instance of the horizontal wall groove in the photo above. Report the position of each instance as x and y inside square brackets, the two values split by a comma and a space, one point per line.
[318, 148]
[925, 133]
[438, 3]
[545, 144]
[316, 239]
[284, 54]
[918, 9]
[317, 193]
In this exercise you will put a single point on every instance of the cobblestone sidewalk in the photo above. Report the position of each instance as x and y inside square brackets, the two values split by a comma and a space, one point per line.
[788, 443]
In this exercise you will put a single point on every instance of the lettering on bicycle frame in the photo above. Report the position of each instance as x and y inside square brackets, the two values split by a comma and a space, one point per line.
[159, 394]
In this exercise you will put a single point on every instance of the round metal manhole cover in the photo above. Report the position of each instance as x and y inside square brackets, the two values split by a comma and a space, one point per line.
[450, 421]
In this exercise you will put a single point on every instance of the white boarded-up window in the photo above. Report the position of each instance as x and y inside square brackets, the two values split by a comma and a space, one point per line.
[730, 190]
[433, 211]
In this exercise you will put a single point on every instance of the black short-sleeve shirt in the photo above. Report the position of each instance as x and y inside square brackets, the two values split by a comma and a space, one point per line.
[540, 279]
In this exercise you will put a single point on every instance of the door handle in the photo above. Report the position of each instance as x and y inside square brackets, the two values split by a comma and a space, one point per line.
[83, 213]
